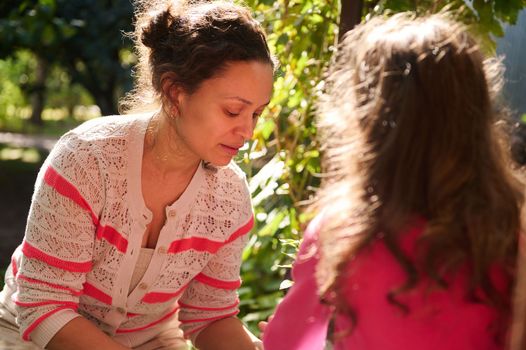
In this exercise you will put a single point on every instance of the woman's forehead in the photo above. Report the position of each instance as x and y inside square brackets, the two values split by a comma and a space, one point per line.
[245, 82]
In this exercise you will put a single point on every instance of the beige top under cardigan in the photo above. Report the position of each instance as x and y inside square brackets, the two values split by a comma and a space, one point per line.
[84, 234]
[145, 255]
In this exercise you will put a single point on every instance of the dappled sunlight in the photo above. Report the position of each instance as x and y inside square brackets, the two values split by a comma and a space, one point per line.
[27, 155]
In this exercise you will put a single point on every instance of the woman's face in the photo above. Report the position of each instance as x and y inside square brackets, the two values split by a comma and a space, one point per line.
[217, 119]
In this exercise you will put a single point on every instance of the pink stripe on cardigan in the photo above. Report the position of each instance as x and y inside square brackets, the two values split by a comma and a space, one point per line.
[149, 324]
[29, 329]
[241, 231]
[71, 266]
[160, 297]
[52, 285]
[94, 292]
[230, 285]
[47, 302]
[67, 189]
[113, 237]
[210, 318]
[186, 306]
[14, 268]
[204, 244]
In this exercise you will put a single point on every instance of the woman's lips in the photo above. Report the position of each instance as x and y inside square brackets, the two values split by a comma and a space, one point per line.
[231, 150]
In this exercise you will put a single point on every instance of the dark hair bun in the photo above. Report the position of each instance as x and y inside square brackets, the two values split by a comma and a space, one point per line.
[194, 40]
[157, 30]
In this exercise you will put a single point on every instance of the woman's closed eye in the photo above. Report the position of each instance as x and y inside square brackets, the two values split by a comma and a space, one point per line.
[234, 113]
[231, 113]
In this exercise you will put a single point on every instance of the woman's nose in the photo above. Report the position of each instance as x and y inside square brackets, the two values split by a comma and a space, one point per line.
[246, 128]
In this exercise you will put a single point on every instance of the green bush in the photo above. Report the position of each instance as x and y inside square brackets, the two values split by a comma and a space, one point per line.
[13, 75]
[282, 162]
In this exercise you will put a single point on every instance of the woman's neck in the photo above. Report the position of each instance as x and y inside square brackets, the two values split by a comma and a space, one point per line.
[164, 149]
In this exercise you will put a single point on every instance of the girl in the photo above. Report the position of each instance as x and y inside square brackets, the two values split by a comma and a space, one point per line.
[416, 241]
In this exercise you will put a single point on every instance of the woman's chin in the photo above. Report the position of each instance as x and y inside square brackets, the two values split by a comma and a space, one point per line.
[219, 162]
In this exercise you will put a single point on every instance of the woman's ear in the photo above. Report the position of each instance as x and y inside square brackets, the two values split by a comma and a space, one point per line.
[170, 91]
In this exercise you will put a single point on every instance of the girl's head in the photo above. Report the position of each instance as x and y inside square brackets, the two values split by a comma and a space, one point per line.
[413, 99]
[410, 128]
[189, 42]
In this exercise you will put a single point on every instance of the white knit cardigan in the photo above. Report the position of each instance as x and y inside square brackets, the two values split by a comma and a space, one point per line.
[84, 233]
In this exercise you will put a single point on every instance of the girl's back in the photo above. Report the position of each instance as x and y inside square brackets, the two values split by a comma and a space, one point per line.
[438, 319]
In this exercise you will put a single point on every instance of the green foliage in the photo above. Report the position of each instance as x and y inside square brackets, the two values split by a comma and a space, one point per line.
[13, 76]
[485, 17]
[284, 155]
[64, 97]
[64, 93]
[82, 37]
[34, 25]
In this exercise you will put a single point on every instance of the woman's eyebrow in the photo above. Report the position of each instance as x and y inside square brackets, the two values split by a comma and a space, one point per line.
[245, 101]
[241, 99]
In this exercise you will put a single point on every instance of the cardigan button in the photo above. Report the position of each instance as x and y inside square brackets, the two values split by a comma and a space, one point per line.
[172, 213]
[143, 286]
[121, 310]
[162, 250]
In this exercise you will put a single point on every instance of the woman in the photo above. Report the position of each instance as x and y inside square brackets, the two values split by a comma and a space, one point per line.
[415, 246]
[137, 220]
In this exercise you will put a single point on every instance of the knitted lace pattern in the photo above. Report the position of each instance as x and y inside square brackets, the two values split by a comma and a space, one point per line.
[85, 228]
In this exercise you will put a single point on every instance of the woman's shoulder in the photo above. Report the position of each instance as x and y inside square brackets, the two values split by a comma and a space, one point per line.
[228, 179]
[109, 126]
[224, 194]
[95, 140]
[232, 170]
[102, 136]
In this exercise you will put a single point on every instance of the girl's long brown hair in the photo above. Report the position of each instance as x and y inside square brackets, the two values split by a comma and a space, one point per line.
[411, 127]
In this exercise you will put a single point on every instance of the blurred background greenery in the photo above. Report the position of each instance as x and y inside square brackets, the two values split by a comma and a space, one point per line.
[63, 62]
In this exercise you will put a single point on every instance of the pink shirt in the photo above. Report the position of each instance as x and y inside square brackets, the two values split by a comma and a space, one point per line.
[438, 319]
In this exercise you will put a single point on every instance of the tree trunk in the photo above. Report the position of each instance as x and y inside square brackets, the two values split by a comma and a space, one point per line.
[38, 91]
[102, 86]
[350, 16]
[106, 102]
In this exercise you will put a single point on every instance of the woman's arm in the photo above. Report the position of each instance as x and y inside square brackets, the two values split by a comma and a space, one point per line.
[81, 334]
[210, 302]
[227, 333]
[212, 295]
[57, 252]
